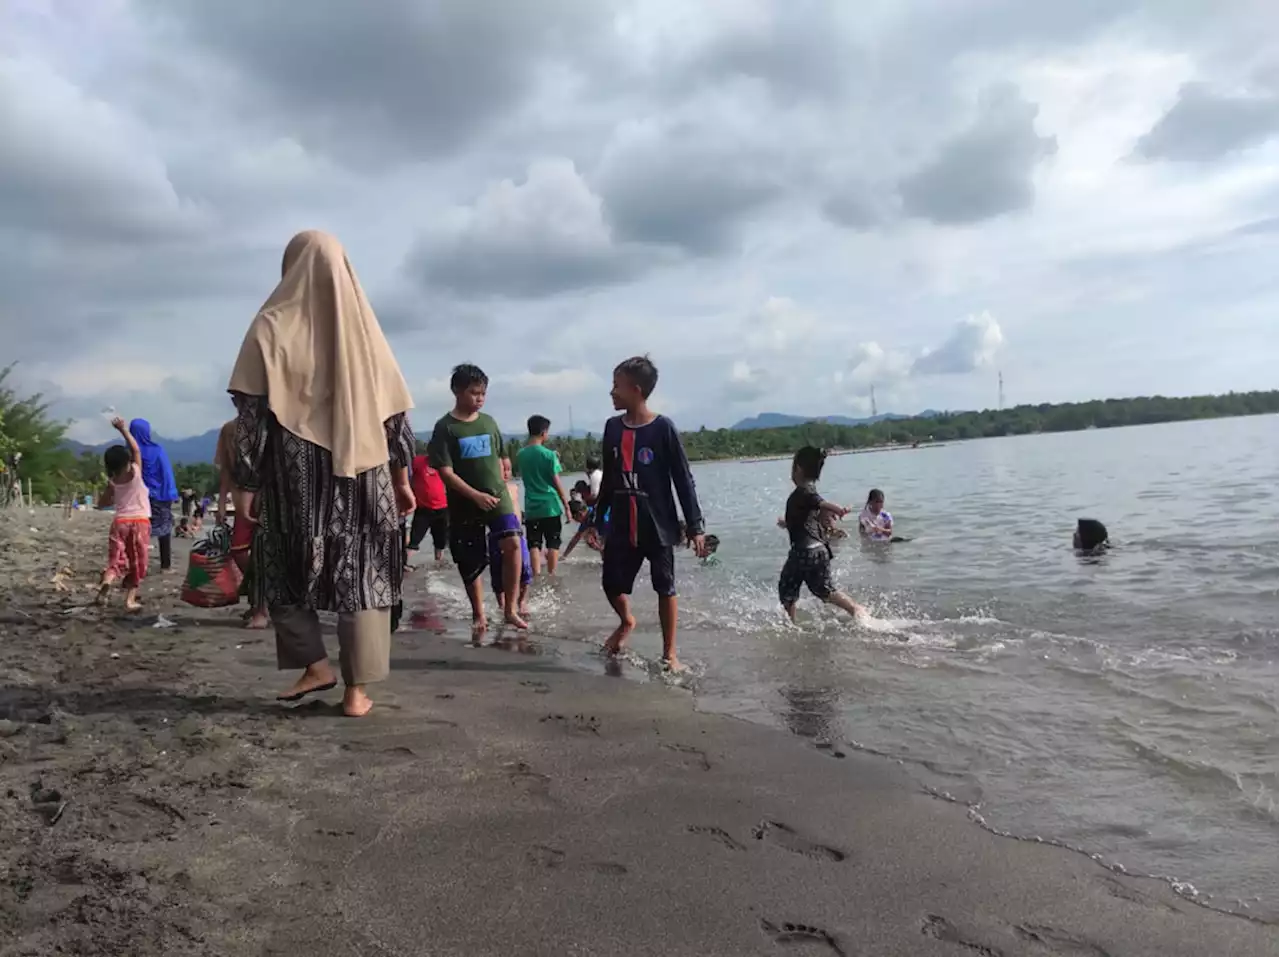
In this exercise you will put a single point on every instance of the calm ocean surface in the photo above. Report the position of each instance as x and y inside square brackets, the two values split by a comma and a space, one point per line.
[1126, 707]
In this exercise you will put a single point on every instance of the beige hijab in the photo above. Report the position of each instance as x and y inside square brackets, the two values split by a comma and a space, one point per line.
[316, 351]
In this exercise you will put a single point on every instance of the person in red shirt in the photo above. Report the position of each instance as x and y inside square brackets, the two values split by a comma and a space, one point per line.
[432, 513]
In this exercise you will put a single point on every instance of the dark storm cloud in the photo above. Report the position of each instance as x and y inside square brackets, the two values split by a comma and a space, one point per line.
[398, 76]
[1203, 125]
[985, 171]
[687, 185]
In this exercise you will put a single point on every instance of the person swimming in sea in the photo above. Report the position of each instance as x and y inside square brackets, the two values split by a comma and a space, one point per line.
[1090, 537]
[875, 524]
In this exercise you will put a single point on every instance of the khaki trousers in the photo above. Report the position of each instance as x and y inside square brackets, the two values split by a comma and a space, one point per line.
[364, 642]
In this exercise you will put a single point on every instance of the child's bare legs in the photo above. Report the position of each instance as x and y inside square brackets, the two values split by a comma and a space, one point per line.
[841, 600]
[535, 561]
[511, 562]
[668, 615]
[790, 609]
[479, 623]
[131, 602]
[524, 599]
[617, 642]
[553, 560]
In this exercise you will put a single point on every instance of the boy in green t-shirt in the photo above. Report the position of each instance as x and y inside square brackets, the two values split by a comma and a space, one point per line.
[466, 449]
[545, 503]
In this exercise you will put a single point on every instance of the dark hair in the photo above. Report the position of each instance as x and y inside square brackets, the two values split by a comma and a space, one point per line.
[642, 373]
[593, 462]
[809, 460]
[538, 424]
[116, 459]
[1091, 533]
[465, 376]
[874, 494]
[582, 485]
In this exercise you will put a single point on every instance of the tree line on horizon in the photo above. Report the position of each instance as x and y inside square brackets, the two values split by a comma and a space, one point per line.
[56, 472]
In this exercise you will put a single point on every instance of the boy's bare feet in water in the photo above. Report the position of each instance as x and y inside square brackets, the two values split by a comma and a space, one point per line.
[617, 642]
[317, 677]
[478, 627]
[672, 665]
[355, 703]
[515, 621]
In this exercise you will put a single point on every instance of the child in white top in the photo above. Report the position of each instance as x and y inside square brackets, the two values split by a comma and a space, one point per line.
[874, 523]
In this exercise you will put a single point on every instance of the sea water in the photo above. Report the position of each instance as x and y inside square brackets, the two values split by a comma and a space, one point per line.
[1125, 706]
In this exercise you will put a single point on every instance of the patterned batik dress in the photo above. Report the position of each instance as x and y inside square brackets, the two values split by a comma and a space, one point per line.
[326, 543]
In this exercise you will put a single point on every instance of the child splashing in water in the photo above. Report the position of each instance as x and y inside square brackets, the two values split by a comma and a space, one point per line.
[809, 561]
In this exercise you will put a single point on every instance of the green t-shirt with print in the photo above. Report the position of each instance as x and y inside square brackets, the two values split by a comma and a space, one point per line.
[539, 467]
[474, 451]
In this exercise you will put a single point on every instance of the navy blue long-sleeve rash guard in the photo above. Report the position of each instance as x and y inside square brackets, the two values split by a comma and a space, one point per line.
[641, 465]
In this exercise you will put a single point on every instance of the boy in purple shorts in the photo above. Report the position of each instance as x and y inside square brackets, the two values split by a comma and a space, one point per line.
[636, 510]
[495, 550]
[466, 449]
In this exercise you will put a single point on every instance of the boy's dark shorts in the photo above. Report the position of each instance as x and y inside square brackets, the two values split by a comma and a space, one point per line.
[811, 568]
[469, 543]
[544, 532]
[433, 520]
[622, 562]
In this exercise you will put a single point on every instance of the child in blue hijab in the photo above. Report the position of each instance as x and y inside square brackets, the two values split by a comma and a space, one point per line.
[157, 473]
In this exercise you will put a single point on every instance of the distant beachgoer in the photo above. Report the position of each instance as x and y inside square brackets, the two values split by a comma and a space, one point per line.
[128, 542]
[545, 502]
[1090, 537]
[809, 560]
[874, 523]
[244, 531]
[432, 513]
[495, 551]
[320, 461]
[466, 447]
[595, 476]
[644, 459]
[163, 490]
[188, 501]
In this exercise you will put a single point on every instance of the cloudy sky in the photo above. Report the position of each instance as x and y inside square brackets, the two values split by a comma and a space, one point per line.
[785, 203]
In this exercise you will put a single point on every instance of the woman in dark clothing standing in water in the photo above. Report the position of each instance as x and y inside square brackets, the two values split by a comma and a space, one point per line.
[161, 487]
[322, 454]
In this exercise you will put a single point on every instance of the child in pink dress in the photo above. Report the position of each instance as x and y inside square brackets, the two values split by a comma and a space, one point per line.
[129, 542]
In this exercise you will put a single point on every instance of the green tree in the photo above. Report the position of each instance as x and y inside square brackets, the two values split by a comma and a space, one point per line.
[27, 430]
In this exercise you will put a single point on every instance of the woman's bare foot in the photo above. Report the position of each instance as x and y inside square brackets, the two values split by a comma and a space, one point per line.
[317, 677]
[515, 621]
[617, 642]
[257, 620]
[672, 665]
[355, 703]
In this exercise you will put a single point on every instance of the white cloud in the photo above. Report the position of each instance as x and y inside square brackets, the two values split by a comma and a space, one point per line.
[972, 345]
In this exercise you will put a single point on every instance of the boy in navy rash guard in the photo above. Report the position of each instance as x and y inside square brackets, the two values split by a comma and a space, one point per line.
[643, 459]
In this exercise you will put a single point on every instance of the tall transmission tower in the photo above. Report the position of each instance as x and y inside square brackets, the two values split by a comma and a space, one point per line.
[873, 402]
[1000, 393]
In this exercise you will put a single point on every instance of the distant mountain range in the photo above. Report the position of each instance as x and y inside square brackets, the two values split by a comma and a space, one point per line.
[200, 448]
[780, 420]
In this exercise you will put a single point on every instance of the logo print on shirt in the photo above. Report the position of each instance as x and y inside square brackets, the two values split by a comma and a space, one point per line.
[475, 446]
[645, 455]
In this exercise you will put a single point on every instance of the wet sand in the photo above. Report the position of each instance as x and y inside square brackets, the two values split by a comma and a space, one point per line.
[154, 800]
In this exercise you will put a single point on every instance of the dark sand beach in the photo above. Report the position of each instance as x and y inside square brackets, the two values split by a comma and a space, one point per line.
[154, 800]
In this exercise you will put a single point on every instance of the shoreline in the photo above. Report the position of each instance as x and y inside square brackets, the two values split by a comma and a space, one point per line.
[494, 803]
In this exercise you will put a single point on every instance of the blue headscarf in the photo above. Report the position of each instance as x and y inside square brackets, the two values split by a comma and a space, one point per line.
[156, 470]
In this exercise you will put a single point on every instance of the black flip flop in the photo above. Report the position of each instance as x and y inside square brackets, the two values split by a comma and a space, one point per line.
[302, 694]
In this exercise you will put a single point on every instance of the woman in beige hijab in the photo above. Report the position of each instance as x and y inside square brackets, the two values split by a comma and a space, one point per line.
[321, 457]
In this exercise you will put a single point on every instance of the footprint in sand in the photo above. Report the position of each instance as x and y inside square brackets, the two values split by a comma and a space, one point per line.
[775, 832]
[719, 835]
[1059, 942]
[531, 782]
[802, 934]
[540, 855]
[696, 755]
[576, 724]
[537, 687]
[939, 928]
